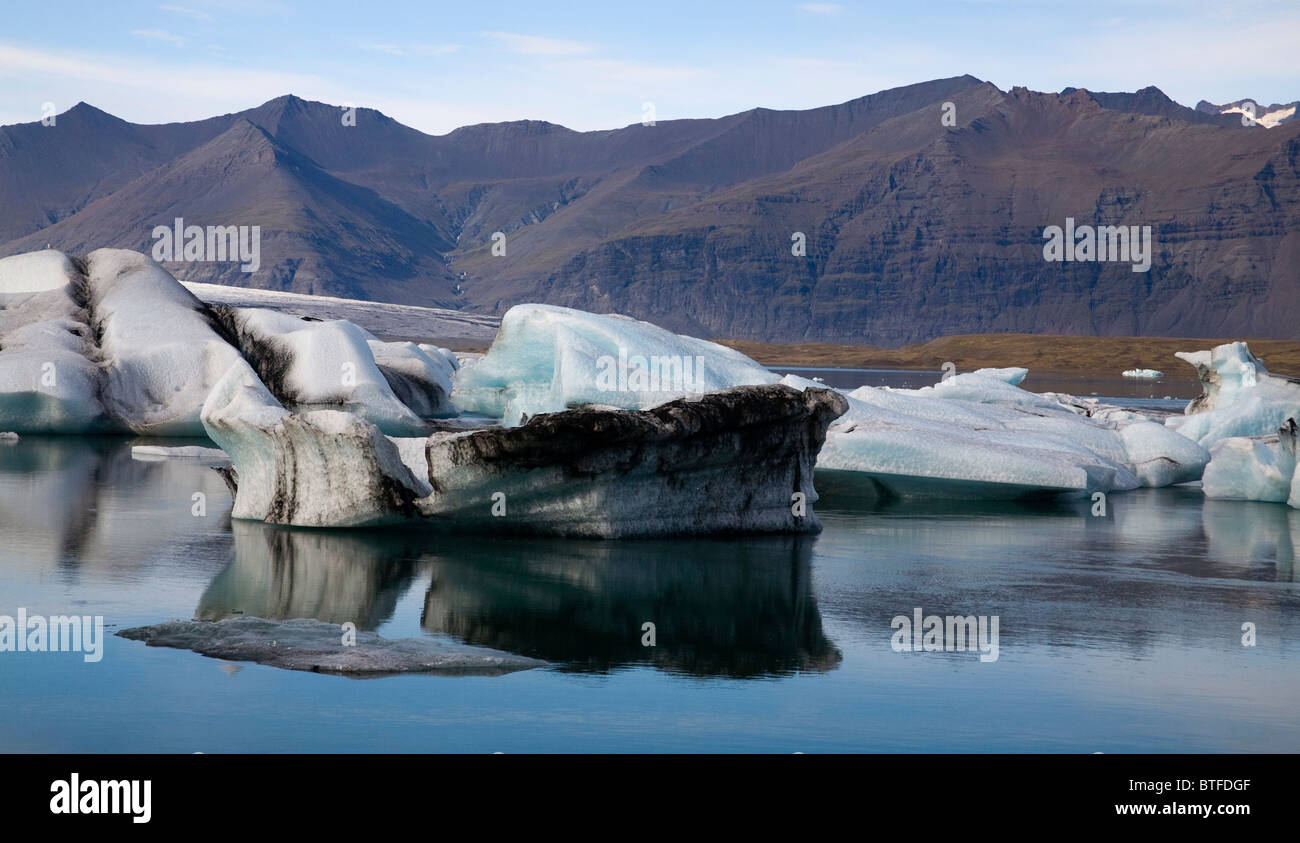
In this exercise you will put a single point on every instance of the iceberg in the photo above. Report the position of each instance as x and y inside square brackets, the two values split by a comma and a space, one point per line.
[50, 381]
[1258, 468]
[323, 468]
[109, 344]
[115, 344]
[309, 364]
[420, 376]
[1143, 373]
[979, 435]
[735, 460]
[572, 423]
[546, 359]
[1240, 398]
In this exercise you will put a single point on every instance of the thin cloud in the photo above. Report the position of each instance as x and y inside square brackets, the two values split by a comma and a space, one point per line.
[187, 12]
[135, 88]
[437, 49]
[159, 35]
[536, 45]
[821, 8]
[422, 50]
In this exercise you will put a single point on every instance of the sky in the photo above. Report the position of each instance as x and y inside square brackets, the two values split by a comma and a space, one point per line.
[595, 65]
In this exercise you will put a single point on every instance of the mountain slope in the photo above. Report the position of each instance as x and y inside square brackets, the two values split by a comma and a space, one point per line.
[914, 228]
[319, 234]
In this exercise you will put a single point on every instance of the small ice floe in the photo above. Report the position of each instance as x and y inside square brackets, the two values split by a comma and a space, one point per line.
[819, 380]
[312, 645]
[1150, 374]
[154, 453]
[8, 438]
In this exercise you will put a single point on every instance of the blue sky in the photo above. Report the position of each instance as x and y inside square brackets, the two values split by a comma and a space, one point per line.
[592, 65]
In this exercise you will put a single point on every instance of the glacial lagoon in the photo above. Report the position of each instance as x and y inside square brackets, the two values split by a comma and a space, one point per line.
[1118, 633]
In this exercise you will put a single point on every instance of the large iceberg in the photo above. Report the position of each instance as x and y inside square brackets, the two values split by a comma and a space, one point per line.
[113, 343]
[735, 460]
[546, 359]
[110, 343]
[654, 457]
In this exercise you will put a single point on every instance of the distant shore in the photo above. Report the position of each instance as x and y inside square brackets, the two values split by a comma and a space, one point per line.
[1097, 356]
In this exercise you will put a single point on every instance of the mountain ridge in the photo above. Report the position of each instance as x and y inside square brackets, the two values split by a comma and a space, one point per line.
[914, 228]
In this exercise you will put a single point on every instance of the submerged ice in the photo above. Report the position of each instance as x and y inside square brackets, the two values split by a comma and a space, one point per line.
[313, 645]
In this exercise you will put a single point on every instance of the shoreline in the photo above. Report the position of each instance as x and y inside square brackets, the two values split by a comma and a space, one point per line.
[1040, 353]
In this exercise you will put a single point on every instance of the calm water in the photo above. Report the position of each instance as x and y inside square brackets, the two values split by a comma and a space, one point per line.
[1117, 634]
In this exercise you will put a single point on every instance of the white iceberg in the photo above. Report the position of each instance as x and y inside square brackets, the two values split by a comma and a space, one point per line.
[978, 435]
[160, 352]
[546, 359]
[113, 344]
[1260, 468]
[49, 377]
[313, 365]
[1240, 397]
[420, 376]
[1143, 373]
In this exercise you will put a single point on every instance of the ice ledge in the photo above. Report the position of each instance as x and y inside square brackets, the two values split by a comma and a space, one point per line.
[313, 645]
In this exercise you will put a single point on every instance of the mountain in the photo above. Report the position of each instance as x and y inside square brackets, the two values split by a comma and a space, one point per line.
[922, 209]
[1267, 116]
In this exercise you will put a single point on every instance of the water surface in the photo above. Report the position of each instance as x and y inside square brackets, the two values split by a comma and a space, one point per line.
[1117, 633]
